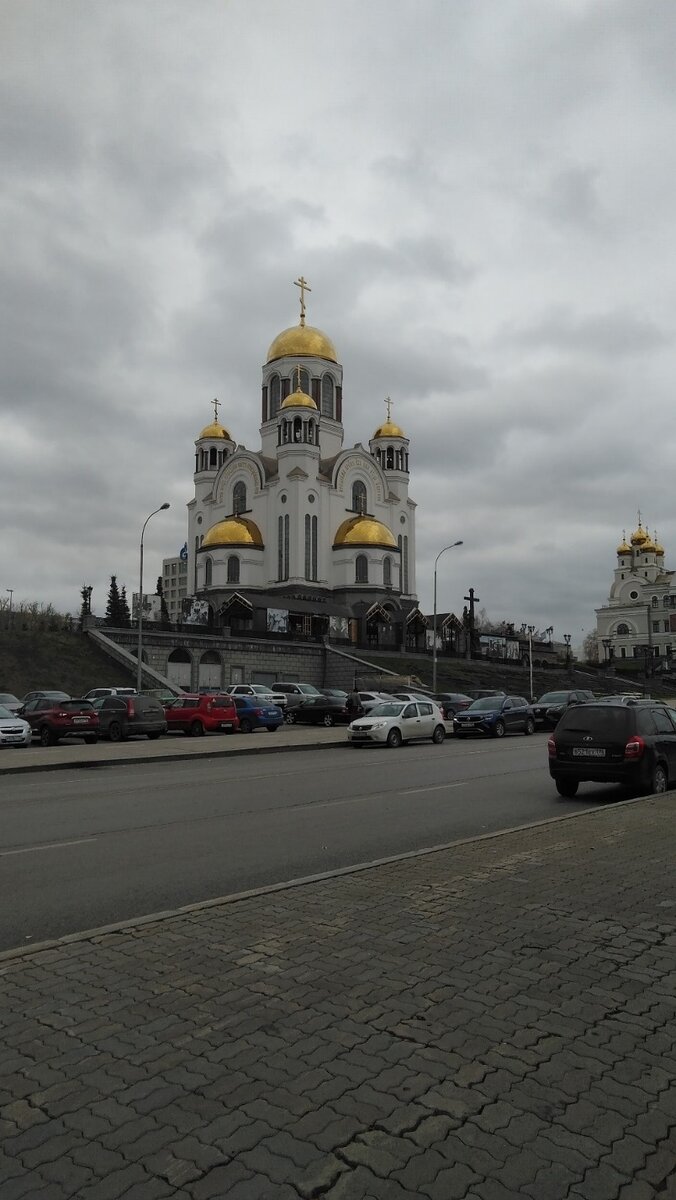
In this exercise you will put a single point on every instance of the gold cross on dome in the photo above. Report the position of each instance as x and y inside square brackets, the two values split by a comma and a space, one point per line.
[304, 286]
[639, 518]
[217, 405]
[388, 402]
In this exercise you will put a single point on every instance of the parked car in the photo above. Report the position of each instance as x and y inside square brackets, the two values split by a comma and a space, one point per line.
[97, 692]
[260, 692]
[478, 694]
[14, 731]
[620, 698]
[162, 694]
[121, 717]
[320, 710]
[410, 696]
[42, 695]
[495, 716]
[452, 702]
[10, 701]
[634, 745]
[254, 713]
[197, 715]
[52, 720]
[296, 692]
[370, 700]
[397, 721]
[548, 708]
[337, 693]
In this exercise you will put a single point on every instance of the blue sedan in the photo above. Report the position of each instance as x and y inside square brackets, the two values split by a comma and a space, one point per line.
[495, 716]
[254, 715]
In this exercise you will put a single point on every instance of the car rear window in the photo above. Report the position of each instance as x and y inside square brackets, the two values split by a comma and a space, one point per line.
[224, 701]
[74, 705]
[609, 721]
[146, 704]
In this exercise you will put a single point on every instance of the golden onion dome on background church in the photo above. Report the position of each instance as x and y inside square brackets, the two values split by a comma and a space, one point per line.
[389, 430]
[623, 548]
[233, 531]
[649, 546]
[639, 536]
[659, 549]
[298, 399]
[364, 531]
[215, 430]
[302, 341]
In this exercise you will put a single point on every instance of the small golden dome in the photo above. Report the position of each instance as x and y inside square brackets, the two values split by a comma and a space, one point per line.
[298, 399]
[302, 341]
[234, 531]
[659, 549]
[639, 536]
[388, 430]
[624, 548]
[215, 430]
[649, 546]
[363, 531]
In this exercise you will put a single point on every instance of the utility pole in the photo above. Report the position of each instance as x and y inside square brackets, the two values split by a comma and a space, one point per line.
[11, 595]
[472, 600]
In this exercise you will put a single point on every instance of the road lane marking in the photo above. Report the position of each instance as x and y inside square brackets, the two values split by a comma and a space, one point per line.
[49, 846]
[436, 787]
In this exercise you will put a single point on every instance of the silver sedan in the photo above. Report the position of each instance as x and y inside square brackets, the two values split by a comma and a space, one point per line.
[14, 731]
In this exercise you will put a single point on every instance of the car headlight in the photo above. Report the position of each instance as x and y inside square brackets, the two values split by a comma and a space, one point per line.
[379, 725]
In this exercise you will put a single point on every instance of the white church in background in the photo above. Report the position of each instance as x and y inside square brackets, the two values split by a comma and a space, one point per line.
[640, 615]
[303, 534]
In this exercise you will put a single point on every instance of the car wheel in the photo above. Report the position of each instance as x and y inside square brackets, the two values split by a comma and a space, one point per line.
[245, 725]
[152, 737]
[439, 734]
[272, 728]
[660, 779]
[115, 731]
[289, 718]
[47, 738]
[567, 787]
[394, 739]
[91, 740]
[530, 727]
[499, 729]
[197, 729]
[327, 720]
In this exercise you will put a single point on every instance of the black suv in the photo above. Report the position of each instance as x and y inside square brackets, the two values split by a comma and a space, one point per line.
[121, 717]
[551, 705]
[614, 743]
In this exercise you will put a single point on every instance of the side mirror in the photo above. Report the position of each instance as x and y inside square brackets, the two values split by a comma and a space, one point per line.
[21, 711]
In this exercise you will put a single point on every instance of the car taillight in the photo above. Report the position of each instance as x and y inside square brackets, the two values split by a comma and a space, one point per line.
[131, 711]
[634, 747]
[551, 747]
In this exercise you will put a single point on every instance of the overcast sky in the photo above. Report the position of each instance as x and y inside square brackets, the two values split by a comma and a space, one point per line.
[482, 198]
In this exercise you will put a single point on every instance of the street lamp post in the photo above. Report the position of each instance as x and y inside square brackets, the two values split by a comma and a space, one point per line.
[434, 622]
[567, 639]
[139, 649]
[607, 643]
[9, 619]
[531, 631]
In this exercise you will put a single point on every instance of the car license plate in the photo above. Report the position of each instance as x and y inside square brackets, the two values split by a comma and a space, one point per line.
[226, 724]
[592, 752]
[80, 720]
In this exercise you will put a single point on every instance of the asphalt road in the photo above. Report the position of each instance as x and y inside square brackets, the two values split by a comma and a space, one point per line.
[83, 849]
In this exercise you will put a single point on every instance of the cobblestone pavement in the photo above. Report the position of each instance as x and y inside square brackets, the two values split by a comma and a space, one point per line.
[490, 1021]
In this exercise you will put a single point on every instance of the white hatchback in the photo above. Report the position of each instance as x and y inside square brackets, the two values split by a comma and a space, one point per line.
[14, 731]
[397, 721]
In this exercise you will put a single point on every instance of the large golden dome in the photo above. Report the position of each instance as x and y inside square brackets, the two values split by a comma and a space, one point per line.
[215, 430]
[388, 430]
[298, 399]
[639, 536]
[302, 341]
[234, 531]
[364, 531]
[623, 548]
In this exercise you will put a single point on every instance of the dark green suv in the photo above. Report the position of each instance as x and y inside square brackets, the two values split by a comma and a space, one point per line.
[634, 745]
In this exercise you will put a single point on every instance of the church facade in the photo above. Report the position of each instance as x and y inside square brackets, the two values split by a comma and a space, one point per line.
[639, 617]
[303, 536]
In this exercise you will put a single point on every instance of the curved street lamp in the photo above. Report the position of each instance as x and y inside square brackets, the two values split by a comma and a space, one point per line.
[139, 664]
[434, 624]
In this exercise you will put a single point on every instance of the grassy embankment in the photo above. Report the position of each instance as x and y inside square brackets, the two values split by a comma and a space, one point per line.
[69, 662]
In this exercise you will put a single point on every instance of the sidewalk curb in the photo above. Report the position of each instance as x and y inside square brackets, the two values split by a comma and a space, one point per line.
[19, 952]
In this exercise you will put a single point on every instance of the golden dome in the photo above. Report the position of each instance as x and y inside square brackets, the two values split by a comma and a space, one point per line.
[639, 536]
[389, 429]
[302, 341]
[298, 399]
[649, 546]
[234, 531]
[659, 550]
[364, 531]
[624, 548]
[215, 430]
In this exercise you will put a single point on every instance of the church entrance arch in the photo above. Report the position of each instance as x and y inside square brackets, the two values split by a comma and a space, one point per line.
[179, 666]
[210, 670]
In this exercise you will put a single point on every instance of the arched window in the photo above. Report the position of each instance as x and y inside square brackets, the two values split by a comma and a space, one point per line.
[654, 601]
[665, 602]
[213, 457]
[359, 496]
[362, 569]
[327, 396]
[387, 572]
[239, 497]
[275, 395]
[622, 630]
[208, 572]
[390, 459]
[233, 569]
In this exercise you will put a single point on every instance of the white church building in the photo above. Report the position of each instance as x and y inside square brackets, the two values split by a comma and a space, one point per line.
[304, 536]
[640, 615]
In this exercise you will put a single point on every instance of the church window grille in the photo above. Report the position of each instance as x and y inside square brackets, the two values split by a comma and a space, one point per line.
[239, 497]
[283, 526]
[297, 429]
[359, 498]
[387, 572]
[213, 458]
[310, 547]
[275, 395]
[622, 630]
[314, 547]
[208, 572]
[665, 602]
[362, 569]
[654, 601]
[390, 459]
[233, 569]
[327, 396]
